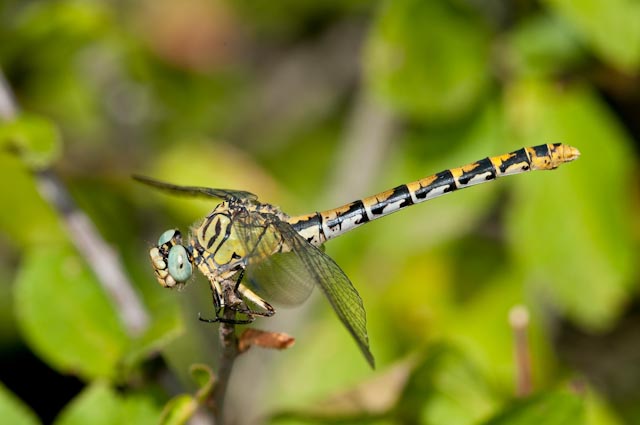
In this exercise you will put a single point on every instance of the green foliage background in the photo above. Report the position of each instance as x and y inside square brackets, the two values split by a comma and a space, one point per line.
[277, 98]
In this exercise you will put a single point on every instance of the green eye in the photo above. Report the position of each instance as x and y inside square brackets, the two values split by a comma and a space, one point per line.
[179, 265]
[166, 237]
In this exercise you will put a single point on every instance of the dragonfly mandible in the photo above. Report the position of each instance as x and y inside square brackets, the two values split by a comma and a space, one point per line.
[252, 252]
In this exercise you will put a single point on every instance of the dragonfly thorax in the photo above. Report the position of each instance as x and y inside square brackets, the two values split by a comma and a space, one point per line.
[172, 261]
[220, 242]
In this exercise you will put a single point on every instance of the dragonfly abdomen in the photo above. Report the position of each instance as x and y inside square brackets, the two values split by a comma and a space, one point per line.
[319, 227]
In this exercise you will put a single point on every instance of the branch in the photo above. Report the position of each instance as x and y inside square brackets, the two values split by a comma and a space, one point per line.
[101, 258]
[229, 352]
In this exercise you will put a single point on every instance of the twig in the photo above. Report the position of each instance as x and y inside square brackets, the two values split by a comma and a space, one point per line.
[229, 352]
[519, 321]
[100, 257]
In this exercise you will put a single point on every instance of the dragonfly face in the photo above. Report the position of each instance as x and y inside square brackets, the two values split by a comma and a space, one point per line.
[172, 262]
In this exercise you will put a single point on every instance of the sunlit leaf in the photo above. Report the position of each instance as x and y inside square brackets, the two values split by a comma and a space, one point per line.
[543, 45]
[97, 404]
[179, 410]
[65, 316]
[34, 139]
[102, 405]
[205, 380]
[414, 62]
[26, 218]
[13, 411]
[610, 27]
[553, 408]
[444, 388]
[569, 228]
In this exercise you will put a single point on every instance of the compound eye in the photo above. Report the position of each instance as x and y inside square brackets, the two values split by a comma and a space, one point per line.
[179, 266]
[166, 237]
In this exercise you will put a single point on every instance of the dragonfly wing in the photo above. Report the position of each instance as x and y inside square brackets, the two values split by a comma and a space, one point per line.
[281, 278]
[207, 192]
[335, 284]
[281, 264]
[272, 274]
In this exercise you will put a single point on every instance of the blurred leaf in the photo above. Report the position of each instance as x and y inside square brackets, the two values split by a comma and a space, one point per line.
[479, 327]
[445, 388]
[428, 59]
[60, 37]
[569, 228]
[179, 410]
[165, 328]
[182, 407]
[13, 411]
[140, 409]
[598, 411]
[65, 316]
[205, 380]
[26, 218]
[35, 139]
[552, 408]
[543, 45]
[610, 27]
[99, 404]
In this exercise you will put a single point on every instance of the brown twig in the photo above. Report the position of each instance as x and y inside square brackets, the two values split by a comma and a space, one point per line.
[100, 257]
[519, 321]
[229, 352]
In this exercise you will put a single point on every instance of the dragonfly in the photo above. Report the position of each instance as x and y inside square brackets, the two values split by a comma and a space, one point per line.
[252, 253]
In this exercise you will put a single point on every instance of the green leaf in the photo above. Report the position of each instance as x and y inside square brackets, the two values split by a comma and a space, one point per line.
[204, 378]
[101, 405]
[445, 388]
[428, 59]
[65, 316]
[97, 404]
[570, 229]
[610, 27]
[543, 45]
[179, 410]
[553, 408]
[35, 139]
[182, 407]
[14, 411]
[25, 217]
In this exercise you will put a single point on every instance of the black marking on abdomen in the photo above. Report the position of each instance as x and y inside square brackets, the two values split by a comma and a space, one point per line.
[542, 150]
[519, 156]
[313, 221]
[399, 194]
[443, 178]
[356, 208]
[483, 166]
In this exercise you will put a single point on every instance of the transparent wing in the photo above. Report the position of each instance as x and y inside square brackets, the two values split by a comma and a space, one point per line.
[290, 276]
[274, 275]
[335, 284]
[226, 194]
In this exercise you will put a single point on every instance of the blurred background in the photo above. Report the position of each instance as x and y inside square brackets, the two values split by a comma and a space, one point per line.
[310, 105]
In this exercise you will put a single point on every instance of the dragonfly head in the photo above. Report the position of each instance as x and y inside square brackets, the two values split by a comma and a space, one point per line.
[172, 262]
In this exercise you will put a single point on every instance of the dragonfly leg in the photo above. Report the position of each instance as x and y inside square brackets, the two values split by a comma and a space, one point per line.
[219, 319]
[243, 292]
[248, 294]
